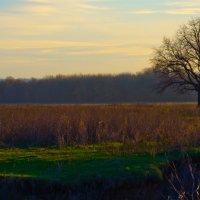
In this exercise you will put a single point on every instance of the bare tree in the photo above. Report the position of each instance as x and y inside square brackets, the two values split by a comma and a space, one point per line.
[177, 60]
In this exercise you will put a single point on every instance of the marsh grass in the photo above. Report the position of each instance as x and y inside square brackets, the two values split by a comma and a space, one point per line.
[143, 128]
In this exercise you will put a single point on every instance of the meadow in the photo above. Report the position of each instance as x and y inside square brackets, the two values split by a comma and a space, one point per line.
[152, 128]
[87, 148]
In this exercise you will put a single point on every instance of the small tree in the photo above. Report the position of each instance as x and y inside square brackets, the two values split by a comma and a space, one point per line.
[177, 60]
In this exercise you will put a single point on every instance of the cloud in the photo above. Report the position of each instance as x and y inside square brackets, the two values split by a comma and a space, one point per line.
[37, 1]
[25, 44]
[62, 48]
[183, 8]
[46, 17]
[81, 34]
[40, 57]
[38, 10]
[92, 7]
[134, 51]
[186, 11]
[144, 12]
[20, 26]
[182, 4]
[172, 8]
[50, 7]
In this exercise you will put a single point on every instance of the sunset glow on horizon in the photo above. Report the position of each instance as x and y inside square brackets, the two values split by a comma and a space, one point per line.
[46, 37]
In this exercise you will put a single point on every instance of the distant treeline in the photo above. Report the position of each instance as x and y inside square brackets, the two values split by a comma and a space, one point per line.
[122, 88]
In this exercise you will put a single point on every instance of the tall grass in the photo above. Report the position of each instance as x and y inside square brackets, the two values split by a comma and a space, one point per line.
[152, 128]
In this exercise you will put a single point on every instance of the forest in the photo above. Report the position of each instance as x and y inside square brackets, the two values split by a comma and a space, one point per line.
[121, 88]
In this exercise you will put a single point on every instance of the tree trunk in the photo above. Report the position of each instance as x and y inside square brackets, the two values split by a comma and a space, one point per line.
[199, 98]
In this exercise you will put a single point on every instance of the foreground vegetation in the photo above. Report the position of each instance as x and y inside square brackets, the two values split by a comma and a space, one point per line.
[103, 146]
[83, 169]
[146, 128]
[74, 165]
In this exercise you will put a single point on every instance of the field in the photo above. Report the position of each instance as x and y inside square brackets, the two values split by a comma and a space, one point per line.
[106, 149]
[150, 128]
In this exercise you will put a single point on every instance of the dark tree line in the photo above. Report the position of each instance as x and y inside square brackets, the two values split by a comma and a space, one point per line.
[87, 89]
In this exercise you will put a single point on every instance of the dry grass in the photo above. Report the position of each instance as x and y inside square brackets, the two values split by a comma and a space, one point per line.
[150, 128]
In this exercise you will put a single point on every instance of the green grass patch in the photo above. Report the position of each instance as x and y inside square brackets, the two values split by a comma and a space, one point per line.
[73, 165]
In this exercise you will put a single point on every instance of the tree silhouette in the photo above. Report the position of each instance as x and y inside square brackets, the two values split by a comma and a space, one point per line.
[177, 60]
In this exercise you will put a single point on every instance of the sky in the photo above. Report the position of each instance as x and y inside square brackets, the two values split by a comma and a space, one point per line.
[49, 37]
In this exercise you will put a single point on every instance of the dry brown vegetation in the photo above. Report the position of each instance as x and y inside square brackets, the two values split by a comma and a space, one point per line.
[151, 128]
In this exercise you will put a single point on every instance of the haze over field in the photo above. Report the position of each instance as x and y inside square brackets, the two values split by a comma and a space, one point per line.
[40, 37]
